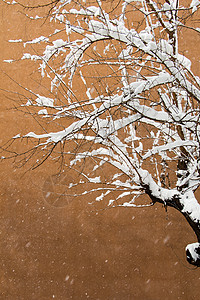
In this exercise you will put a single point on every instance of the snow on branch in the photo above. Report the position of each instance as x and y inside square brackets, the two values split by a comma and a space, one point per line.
[124, 96]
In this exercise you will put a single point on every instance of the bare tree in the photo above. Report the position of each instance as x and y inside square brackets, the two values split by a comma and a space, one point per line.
[124, 97]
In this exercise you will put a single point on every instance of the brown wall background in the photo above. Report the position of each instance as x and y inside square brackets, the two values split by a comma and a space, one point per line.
[71, 252]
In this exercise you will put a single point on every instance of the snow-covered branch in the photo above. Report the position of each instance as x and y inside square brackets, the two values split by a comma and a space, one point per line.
[126, 98]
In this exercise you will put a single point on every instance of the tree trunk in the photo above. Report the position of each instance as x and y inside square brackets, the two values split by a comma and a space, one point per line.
[186, 204]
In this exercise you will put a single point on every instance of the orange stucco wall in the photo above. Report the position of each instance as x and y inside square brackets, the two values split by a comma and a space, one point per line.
[71, 252]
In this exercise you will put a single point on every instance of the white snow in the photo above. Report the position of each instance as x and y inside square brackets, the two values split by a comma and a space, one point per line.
[16, 136]
[15, 41]
[192, 249]
[194, 5]
[37, 40]
[190, 205]
[44, 101]
[42, 112]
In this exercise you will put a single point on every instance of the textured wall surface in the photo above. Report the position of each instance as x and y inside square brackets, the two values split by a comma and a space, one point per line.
[68, 251]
